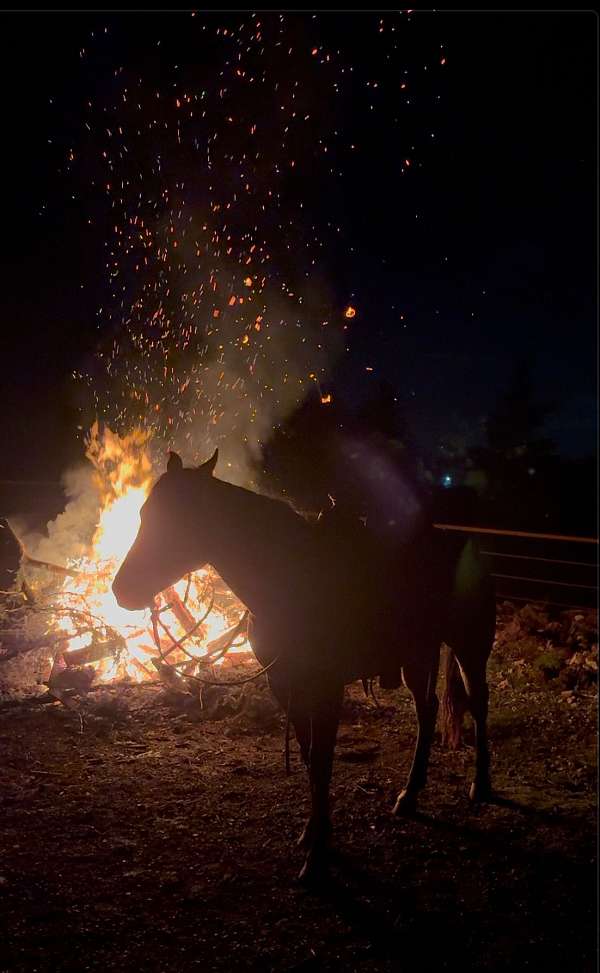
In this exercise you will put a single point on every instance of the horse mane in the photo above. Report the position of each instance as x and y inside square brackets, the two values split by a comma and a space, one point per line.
[310, 516]
[272, 497]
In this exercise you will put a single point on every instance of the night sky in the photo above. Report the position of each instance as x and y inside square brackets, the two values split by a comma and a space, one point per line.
[477, 251]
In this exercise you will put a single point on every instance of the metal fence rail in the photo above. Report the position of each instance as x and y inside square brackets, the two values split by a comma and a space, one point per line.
[574, 577]
[518, 533]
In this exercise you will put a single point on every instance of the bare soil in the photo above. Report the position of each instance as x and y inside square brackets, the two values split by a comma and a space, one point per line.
[159, 839]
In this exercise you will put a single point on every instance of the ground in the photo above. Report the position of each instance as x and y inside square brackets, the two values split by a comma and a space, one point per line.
[159, 839]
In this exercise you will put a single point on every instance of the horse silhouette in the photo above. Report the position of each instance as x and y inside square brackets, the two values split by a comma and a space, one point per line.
[328, 606]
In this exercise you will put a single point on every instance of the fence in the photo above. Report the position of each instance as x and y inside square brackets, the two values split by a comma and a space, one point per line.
[526, 566]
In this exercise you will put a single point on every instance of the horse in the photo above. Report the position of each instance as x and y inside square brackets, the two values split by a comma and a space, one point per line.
[328, 607]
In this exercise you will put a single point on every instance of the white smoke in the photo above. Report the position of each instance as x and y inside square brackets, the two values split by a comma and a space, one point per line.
[70, 534]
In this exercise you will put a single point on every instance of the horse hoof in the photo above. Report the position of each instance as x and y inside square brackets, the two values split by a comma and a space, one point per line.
[315, 834]
[406, 804]
[480, 793]
[305, 839]
[314, 869]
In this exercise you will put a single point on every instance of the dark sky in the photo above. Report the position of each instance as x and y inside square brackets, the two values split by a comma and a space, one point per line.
[488, 252]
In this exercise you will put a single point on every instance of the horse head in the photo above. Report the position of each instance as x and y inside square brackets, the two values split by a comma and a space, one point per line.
[167, 545]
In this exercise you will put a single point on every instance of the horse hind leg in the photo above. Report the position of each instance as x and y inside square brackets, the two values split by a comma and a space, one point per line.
[296, 706]
[473, 639]
[478, 699]
[421, 681]
[470, 660]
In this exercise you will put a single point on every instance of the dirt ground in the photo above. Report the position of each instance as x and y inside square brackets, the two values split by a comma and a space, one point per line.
[160, 840]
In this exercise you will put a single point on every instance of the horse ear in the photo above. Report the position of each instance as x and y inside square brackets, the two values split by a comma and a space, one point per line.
[175, 463]
[209, 466]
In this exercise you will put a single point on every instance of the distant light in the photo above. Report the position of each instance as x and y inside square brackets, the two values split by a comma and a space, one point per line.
[350, 312]
[326, 399]
[446, 480]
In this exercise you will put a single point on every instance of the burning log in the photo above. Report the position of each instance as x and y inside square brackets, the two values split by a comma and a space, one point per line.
[179, 609]
[91, 653]
[219, 646]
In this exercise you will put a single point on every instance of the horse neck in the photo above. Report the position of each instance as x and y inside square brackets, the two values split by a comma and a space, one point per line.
[257, 542]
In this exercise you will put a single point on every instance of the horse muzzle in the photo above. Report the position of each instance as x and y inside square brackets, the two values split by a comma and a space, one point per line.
[128, 597]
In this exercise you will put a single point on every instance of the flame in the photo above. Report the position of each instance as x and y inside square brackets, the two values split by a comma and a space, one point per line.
[350, 312]
[119, 643]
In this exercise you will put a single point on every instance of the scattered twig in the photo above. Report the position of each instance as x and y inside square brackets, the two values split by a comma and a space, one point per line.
[53, 568]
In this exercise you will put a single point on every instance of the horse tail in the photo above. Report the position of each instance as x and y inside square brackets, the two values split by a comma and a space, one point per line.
[454, 703]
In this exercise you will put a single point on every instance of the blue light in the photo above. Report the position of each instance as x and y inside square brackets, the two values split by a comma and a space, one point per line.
[446, 480]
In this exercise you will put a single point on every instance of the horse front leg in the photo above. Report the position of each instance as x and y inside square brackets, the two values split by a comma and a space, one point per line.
[481, 788]
[300, 718]
[324, 720]
[421, 682]
[296, 706]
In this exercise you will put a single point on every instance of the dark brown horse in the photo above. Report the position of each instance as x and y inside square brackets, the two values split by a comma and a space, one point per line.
[332, 607]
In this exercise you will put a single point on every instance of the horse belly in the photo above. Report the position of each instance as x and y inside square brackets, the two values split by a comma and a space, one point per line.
[350, 628]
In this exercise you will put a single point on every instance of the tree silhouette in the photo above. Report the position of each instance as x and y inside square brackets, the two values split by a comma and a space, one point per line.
[513, 428]
[356, 457]
[518, 461]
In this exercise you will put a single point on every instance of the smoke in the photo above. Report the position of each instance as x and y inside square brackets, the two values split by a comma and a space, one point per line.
[244, 390]
[70, 534]
[393, 503]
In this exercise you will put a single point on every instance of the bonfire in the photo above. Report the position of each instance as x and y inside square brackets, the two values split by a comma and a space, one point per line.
[193, 626]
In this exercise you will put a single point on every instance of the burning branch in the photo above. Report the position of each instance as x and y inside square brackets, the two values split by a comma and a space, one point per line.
[53, 568]
[215, 651]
